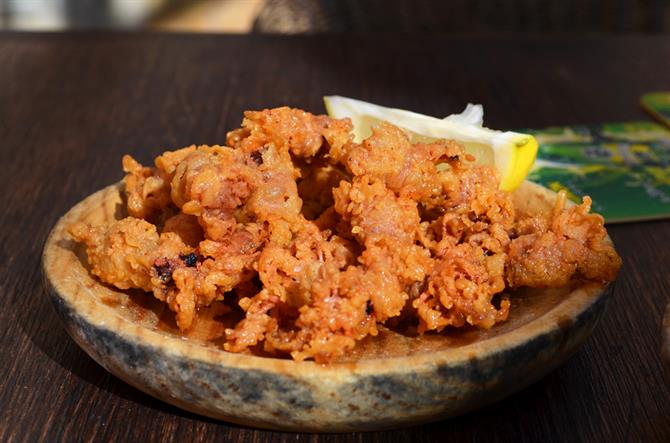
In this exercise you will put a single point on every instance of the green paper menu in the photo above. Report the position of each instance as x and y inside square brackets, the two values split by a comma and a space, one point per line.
[624, 167]
[657, 104]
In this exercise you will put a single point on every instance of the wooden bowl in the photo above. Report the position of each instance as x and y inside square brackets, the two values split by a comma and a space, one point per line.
[389, 381]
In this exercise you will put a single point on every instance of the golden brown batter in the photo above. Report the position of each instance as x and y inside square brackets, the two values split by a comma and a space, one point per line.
[319, 239]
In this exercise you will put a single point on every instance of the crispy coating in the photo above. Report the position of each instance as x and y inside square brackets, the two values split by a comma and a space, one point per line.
[120, 253]
[294, 130]
[148, 189]
[460, 289]
[319, 240]
[409, 170]
[572, 243]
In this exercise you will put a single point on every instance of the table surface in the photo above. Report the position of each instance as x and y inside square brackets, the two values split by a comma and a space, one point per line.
[72, 104]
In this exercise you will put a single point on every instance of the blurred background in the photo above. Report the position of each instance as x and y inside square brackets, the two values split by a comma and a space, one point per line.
[319, 16]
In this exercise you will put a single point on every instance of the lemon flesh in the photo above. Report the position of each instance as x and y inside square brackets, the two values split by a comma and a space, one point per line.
[511, 153]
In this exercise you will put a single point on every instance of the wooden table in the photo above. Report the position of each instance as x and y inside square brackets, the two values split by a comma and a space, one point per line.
[72, 104]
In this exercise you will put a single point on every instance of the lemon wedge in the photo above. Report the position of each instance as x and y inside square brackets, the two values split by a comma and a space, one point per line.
[511, 153]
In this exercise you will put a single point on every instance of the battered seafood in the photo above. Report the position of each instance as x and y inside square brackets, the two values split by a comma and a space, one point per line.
[319, 240]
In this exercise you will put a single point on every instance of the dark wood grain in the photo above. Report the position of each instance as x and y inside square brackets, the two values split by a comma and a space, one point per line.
[72, 104]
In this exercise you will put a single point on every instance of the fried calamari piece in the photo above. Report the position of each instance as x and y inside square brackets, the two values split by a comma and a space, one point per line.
[215, 185]
[288, 275]
[292, 130]
[410, 170]
[348, 312]
[474, 212]
[211, 178]
[221, 266]
[324, 329]
[125, 253]
[129, 253]
[252, 329]
[148, 189]
[460, 289]
[276, 195]
[353, 301]
[375, 213]
[469, 241]
[208, 281]
[573, 243]
[386, 225]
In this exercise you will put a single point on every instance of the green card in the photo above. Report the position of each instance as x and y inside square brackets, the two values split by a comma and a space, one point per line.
[657, 104]
[624, 167]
